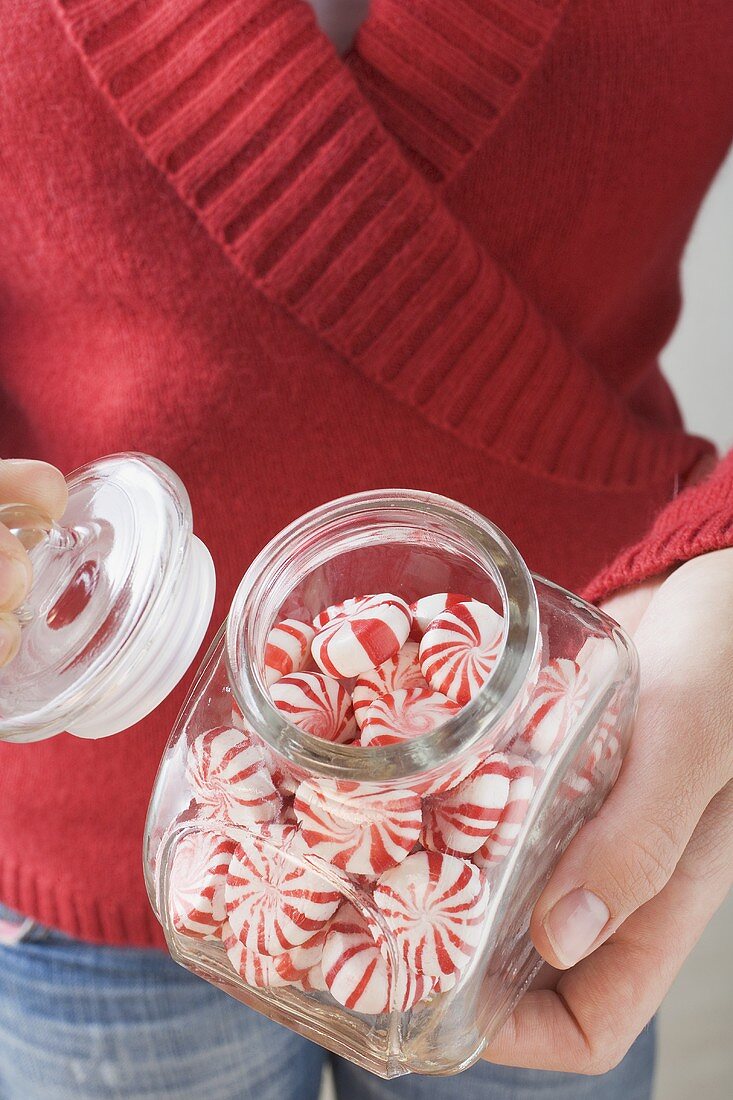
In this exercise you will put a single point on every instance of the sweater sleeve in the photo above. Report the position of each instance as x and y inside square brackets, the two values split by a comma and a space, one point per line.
[264, 133]
[697, 521]
[443, 73]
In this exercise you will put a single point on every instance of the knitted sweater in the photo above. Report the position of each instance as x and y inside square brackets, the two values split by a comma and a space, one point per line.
[448, 260]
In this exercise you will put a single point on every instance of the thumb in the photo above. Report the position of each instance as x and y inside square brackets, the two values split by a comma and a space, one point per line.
[28, 481]
[628, 852]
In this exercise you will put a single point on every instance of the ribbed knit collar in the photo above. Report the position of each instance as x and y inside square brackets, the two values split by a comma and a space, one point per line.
[442, 73]
[267, 136]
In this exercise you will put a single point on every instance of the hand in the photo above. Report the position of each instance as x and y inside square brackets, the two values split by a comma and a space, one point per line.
[637, 885]
[22, 482]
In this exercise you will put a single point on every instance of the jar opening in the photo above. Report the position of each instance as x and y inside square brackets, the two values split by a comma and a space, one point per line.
[409, 543]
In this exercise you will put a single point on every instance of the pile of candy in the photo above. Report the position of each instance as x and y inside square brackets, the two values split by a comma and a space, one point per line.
[370, 671]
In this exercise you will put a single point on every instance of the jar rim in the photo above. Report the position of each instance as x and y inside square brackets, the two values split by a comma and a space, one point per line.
[459, 734]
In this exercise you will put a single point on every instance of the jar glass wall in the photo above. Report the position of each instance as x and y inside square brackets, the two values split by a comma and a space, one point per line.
[287, 869]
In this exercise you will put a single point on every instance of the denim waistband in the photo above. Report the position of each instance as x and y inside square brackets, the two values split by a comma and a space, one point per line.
[17, 928]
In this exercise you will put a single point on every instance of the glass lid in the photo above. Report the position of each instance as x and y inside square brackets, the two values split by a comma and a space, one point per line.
[121, 598]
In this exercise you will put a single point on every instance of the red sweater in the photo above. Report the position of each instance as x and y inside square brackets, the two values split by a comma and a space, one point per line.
[447, 261]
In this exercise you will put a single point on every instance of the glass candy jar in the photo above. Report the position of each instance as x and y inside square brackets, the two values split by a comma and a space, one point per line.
[373, 892]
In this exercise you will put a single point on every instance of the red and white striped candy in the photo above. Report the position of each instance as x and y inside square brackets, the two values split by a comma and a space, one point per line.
[228, 776]
[401, 671]
[446, 781]
[459, 821]
[435, 907]
[360, 634]
[356, 826]
[282, 776]
[428, 608]
[279, 769]
[198, 872]
[254, 969]
[521, 788]
[274, 900]
[460, 648]
[357, 973]
[559, 697]
[301, 965]
[406, 713]
[287, 814]
[288, 649]
[354, 968]
[597, 657]
[446, 982]
[605, 750]
[317, 704]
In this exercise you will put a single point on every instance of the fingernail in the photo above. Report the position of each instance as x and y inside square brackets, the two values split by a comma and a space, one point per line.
[9, 638]
[574, 924]
[13, 582]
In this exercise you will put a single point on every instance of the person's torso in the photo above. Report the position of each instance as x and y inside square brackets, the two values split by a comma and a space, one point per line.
[124, 326]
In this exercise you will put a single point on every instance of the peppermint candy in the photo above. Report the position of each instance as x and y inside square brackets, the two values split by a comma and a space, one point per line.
[522, 784]
[198, 871]
[460, 648]
[254, 969]
[559, 697]
[282, 776]
[400, 671]
[447, 781]
[435, 906]
[604, 750]
[460, 821]
[279, 769]
[287, 814]
[406, 713]
[428, 608]
[301, 966]
[229, 779]
[317, 704]
[357, 827]
[288, 649]
[597, 657]
[357, 973]
[359, 634]
[446, 982]
[353, 965]
[274, 900]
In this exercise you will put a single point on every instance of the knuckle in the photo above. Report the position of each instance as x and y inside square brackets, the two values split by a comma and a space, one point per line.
[604, 1060]
[709, 855]
[655, 858]
[647, 863]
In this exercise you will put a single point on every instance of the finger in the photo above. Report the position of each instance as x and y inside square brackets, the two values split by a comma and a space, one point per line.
[9, 637]
[15, 571]
[627, 853]
[629, 606]
[25, 481]
[598, 1008]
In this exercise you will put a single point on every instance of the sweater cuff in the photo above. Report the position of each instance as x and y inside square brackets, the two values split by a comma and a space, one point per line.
[696, 522]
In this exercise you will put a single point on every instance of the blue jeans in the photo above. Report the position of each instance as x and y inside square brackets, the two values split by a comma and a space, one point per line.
[79, 1022]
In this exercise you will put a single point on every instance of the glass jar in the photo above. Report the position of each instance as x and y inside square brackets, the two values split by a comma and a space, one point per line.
[251, 860]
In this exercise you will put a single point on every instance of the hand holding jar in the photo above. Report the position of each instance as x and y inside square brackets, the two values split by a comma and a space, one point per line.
[41, 486]
[635, 889]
